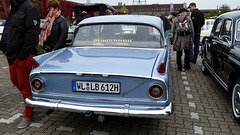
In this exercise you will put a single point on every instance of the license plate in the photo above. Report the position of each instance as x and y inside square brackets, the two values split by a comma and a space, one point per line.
[99, 87]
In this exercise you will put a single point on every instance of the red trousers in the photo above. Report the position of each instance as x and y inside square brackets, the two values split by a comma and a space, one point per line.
[19, 74]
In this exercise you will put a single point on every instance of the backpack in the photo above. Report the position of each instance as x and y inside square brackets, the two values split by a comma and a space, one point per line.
[183, 26]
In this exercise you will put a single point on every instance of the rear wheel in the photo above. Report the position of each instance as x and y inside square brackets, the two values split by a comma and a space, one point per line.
[236, 101]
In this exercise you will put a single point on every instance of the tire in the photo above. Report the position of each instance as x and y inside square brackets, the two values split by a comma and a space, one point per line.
[236, 101]
[205, 71]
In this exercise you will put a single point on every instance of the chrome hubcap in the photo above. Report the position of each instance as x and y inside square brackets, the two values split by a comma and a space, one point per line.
[236, 100]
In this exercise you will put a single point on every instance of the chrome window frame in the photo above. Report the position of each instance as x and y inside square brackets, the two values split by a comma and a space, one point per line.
[236, 29]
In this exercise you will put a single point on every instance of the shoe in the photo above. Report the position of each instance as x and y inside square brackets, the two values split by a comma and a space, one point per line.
[187, 67]
[179, 68]
[191, 59]
[24, 123]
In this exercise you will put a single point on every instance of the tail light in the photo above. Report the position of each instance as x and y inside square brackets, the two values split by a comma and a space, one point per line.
[161, 69]
[156, 91]
[37, 84]
[35, 64]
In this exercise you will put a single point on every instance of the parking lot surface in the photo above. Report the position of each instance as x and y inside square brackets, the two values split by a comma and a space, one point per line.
[201, 106]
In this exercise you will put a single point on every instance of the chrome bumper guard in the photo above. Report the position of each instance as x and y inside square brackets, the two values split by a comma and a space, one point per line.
[114, 110]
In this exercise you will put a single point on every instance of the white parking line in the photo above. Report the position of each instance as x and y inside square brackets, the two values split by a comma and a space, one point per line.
[198, 130]
[62, 128]
[189, 96]
[183, 73]
[4, 67]
[99, 133]
[187, 88]
[194, 115]
[191, 104]
[37, 125]
[184, 77]
[12, 119]
[185, 82]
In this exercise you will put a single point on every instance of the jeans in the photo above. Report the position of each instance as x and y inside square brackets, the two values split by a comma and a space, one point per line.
[194, 54]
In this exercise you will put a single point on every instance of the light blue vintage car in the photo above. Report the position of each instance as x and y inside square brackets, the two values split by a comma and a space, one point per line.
[117, 65]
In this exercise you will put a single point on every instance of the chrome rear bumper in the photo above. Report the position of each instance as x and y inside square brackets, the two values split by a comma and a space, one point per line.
[125, 110]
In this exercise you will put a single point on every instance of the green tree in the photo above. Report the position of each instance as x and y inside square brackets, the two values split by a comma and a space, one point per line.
[224, 8]
[237, 8]
[124, 9]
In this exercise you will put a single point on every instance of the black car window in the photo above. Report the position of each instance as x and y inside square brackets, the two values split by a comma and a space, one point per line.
[217, 27]
[238, 31]
[227, 29]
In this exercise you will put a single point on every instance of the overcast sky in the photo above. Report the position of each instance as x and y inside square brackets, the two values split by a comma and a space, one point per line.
[201, 4]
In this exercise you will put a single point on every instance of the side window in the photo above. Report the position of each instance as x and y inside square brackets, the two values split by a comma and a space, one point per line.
[238, 31]
[227, 29]
[217, 27]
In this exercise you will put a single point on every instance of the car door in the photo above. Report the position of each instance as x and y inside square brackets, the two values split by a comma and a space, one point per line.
[223, 50]
[213, 43]
[218, 50]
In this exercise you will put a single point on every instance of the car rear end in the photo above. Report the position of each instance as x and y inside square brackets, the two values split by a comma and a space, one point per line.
[125, 73]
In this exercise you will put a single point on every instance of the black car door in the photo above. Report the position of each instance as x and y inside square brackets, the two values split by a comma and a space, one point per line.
[223, 45]
[213, 43]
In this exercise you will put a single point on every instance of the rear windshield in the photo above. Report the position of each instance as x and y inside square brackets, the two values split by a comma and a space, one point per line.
[118, 35]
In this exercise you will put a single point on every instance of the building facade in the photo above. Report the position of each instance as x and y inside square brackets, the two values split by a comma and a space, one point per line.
[67, 9]
[164, 9]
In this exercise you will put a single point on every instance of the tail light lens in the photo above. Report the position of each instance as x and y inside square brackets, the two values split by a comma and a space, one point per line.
[156, 91]
[37, 84]
[161, 69]
[35, 64]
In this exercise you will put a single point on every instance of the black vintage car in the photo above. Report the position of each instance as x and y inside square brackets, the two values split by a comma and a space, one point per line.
[221, 56]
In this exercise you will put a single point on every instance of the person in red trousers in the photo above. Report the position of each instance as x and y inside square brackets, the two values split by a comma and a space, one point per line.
[19, 44]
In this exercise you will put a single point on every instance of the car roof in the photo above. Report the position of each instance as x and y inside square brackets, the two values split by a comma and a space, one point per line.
[234, 15]
[138, 19]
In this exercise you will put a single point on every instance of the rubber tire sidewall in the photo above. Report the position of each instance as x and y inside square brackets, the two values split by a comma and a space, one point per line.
[237, 119]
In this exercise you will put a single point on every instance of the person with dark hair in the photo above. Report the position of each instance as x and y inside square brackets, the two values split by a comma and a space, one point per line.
[166, 23]
[198, 21]
[19, 44]
[183, 35]
[55, 30]
[81, 17]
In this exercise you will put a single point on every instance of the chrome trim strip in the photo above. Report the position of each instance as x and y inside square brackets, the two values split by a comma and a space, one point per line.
[224, 85]
[125, 110]
[92, 73]
[236, 27]
[100, 99]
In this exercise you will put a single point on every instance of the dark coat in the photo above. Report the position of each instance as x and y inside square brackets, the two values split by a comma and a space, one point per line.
[198, 20]
[81, 17]
[59, 33]
[166, 23]
[20, 35]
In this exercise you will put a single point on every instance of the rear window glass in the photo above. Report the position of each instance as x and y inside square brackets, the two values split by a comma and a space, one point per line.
[119, 35]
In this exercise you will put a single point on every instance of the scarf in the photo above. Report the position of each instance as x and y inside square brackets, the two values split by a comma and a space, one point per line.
[47, 32]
